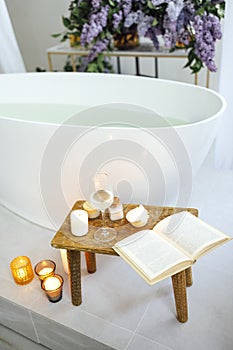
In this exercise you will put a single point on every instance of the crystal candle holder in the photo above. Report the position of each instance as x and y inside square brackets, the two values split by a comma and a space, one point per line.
[45, 268]
[53, 287]
[21, 269]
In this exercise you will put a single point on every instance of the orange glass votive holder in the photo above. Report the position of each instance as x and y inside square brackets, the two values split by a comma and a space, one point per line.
[21, 269]
[45, 268]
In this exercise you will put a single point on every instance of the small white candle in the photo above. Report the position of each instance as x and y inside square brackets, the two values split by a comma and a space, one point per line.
[138, 216]
[52, 283]
[45, 268]
[79, 222]
[45, 271]
[53, 287]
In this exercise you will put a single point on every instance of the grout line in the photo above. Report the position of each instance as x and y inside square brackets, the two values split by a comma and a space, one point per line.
[109, 322]
[34, 327]
[139, 323]
[142, 336]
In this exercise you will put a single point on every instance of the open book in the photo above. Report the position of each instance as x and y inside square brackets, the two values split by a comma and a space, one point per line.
[173, 245]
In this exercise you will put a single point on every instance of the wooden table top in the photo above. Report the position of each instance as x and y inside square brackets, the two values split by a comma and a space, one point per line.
[64, 239]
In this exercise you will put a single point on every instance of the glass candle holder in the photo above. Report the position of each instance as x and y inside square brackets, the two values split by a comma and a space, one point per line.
[21, 269]
[45, 268]
[53, 287]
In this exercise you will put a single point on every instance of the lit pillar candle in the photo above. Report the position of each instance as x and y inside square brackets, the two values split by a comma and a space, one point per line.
[53, 287]
[64, 260]
[79, 222]
[21, 269]
[45, 268]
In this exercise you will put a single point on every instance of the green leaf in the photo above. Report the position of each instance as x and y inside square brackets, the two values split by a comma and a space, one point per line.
[111, 3]
[150, 5]
[220, 12]
[155, 22]
[191, 57]
[56, 35]
[196, 67]
[200, 11]
[66, 21]
[84, 4]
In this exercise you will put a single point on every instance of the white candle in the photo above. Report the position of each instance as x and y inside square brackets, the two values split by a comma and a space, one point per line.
[45, 271]
[64, 260]
[53, 287]
[79, 222]
[52, 283]
[45, 268]
[138, 216]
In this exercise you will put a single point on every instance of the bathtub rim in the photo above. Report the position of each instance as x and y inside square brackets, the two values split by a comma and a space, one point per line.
[116, 76]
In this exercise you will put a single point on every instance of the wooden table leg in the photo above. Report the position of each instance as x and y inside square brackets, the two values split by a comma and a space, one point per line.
[74, 264]
[90, 262]
[179, 289]
[189, 277]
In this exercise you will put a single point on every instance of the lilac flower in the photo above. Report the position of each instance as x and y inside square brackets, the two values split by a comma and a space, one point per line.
[186, 16]
[158, 2]
[127, 6]
[97, 48]
[144, 25]
[137, 17]
[98, 22]
[117, 19]
[95, 3]
[183, 36]
[168, 39]
[207, 31]
[169, 20]
[131, 18]
[152, 34]
[174, 8]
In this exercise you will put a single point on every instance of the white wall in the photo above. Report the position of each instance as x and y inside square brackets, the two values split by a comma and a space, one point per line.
[35, 20]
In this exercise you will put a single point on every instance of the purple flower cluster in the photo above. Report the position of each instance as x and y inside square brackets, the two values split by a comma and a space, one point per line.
[186, 16]
[127, 6]
[97, 48]
[193, 23]
[117, 19]
[158, 2]
[207, 31]
[153, 34]
[98, 22]
[144, 24]
[174, 9]
[133, 17]
[95, 3]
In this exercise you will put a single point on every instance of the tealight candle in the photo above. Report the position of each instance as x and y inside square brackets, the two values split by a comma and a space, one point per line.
[21, 269]
[79, 222]
[138, 216]
[91, 211]
[53, 287]
[45, 268]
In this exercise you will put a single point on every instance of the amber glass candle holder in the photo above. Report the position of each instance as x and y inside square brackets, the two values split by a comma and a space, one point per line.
[21, 269]
[45, 268]
[53, 287]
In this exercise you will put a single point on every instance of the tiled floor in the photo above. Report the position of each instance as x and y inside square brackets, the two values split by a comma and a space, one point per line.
[119, 309]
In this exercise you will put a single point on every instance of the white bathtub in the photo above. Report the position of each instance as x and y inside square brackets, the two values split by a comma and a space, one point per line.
[56, 129]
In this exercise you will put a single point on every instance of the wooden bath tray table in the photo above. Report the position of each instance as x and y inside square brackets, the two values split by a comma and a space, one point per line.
[75, 245]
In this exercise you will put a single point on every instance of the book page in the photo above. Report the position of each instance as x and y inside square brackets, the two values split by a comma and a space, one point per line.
[190, 233]
[150, 253]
